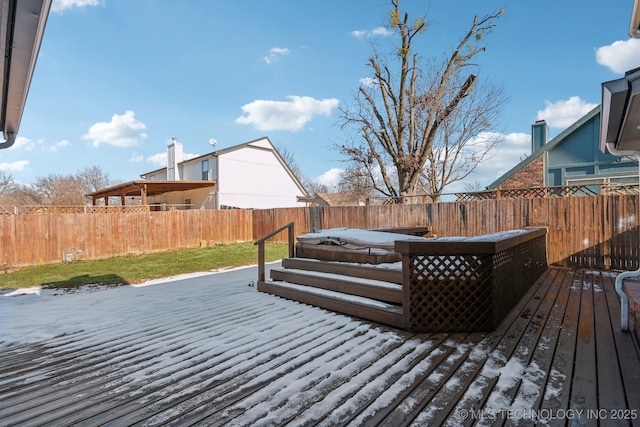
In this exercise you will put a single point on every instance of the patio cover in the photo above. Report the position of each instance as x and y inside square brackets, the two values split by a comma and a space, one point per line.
[145, 188]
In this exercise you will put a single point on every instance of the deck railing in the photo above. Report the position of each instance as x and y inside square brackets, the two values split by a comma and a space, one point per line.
[261, 243]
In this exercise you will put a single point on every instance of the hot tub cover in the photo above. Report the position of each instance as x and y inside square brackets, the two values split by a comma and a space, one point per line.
[355, 238]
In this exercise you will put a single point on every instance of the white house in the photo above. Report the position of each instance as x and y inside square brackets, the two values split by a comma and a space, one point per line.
[252, 175]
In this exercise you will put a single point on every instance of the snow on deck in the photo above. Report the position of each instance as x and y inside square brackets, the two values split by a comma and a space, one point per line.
[211, 350]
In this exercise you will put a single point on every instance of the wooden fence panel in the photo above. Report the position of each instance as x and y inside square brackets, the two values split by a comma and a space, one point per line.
[53, 237]
[595, 231]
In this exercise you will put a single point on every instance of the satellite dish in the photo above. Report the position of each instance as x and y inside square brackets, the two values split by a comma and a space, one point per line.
[213, 142]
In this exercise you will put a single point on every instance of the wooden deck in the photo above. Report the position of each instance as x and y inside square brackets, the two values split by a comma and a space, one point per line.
[226, 354]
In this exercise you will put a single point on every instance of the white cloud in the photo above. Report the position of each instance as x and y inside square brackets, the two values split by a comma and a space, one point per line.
[160, 159]
[376, 32]
[136, 158]
[275, 54]
[368, 82]
[564, 113]
[283, 115]
[60, 144]
[620, 56]
[512, 150]
[330, 178]
[122, 131]
[23, 143]
[59, 6]
[16, 166]
[26, 144]
[508, 153]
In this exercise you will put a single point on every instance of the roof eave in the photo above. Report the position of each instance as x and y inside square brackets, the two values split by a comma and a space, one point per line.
[23, 23]
[620, 124]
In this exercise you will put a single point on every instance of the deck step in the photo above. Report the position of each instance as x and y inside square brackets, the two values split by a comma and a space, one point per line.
[357, 306]
[379, 272]
[363, 287]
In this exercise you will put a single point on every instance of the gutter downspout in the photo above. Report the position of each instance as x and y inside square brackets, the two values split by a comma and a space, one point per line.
[624, 301]
[11, 138]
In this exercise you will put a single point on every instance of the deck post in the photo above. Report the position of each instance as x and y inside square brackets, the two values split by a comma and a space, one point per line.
[261, 262]
[261, 242]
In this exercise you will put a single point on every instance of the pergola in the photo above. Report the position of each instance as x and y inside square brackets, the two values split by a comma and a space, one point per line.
[146, 188]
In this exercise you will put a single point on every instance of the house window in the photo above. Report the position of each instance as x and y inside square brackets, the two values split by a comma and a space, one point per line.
[205, 170]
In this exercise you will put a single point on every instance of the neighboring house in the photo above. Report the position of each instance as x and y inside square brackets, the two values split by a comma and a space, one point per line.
[347, 198]
[250, 175]
[571, 158]
[247, 176]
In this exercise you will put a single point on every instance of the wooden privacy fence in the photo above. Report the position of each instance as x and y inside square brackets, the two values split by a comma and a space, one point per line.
[593, 231]
[51, 237]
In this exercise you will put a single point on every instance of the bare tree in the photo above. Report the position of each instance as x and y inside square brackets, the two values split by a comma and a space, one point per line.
[463, 141]
[57, 189]
[472, 187]
[401, 114]
[54, 189]
[6, 183]
[14, 193]
[358, 179]
[92, 179]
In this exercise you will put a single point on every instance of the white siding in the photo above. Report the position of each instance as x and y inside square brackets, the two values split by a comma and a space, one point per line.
[202, 198]
[158, 175]
[249, 177]
[254, 178]
[192, 170]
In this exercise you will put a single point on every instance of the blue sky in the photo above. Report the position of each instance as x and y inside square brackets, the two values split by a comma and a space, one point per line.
[116, 79]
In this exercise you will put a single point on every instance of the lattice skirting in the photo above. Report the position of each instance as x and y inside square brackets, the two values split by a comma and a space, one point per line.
[467, 292]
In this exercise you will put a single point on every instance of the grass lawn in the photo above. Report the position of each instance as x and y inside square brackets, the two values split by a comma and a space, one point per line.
[134, 269]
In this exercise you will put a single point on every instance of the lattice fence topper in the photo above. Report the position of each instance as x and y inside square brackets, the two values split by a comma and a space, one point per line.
[59, 209]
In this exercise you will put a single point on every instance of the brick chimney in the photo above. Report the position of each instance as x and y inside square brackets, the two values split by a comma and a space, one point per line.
[174, 157]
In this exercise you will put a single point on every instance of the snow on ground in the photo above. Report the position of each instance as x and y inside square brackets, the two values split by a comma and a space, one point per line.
[218, 319]
[35, 313]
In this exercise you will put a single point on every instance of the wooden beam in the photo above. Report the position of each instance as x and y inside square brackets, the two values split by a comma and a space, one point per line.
[143, 193]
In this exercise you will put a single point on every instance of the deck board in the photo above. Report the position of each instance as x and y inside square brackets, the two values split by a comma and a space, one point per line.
[610, 386]
[233, 355]
[584, 391]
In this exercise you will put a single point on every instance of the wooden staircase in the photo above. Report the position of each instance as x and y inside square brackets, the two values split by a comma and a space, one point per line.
[372, 293]
[444, 285]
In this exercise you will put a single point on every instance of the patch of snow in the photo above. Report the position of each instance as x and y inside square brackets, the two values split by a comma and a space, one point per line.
[328, 276]
[187, 276]
[357, 238]
[35, 290]
[554, 385]
[338, 295]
